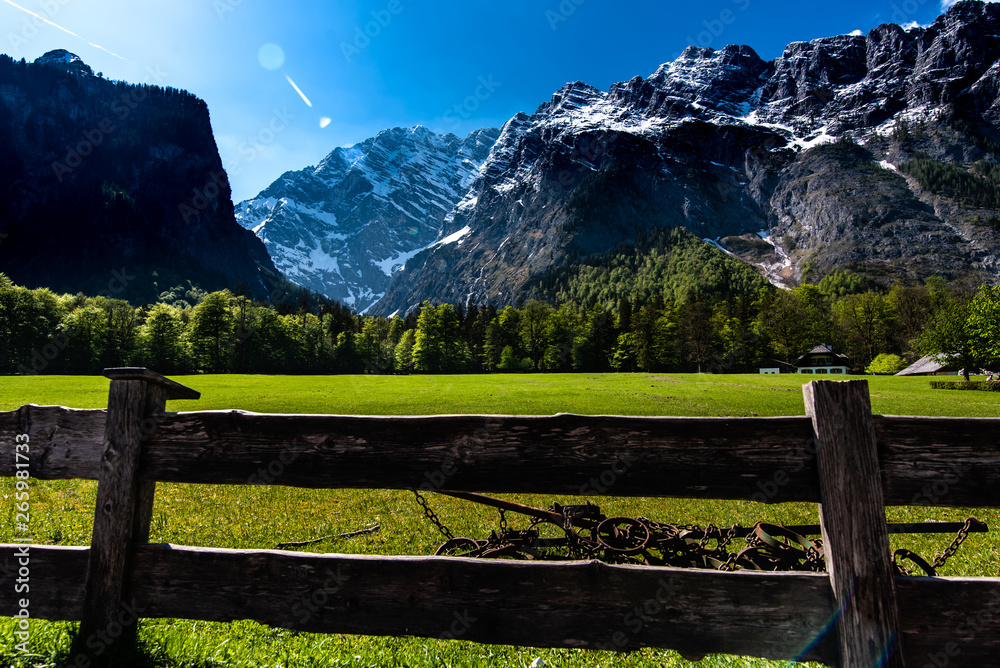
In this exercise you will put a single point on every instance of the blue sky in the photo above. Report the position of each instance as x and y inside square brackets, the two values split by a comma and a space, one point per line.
[453, 66]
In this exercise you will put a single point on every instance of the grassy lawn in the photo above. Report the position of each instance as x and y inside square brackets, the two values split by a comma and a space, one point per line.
[261, 517]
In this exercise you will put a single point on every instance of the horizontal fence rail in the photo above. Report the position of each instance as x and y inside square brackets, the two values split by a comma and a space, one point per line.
[580, 604]
[929, 461]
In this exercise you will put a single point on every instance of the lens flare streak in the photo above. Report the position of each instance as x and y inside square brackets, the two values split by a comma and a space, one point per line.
[297, 90]
[68, 32]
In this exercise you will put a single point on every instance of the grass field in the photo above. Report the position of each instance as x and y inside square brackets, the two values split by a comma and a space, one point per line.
[261, 517]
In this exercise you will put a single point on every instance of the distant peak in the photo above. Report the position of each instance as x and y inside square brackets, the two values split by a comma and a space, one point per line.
[66, 61]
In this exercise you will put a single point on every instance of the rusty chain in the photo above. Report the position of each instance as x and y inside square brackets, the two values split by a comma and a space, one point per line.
[589, 534]
[950, 551]
[433, 517]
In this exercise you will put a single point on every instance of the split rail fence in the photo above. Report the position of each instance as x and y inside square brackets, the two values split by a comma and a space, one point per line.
[858, 614]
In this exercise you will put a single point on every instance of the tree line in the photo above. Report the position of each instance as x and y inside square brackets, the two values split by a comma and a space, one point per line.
[879, 329]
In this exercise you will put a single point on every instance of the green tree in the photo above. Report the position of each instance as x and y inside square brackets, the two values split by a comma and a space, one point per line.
[984, 327]
[439, 344]
[534, 320]
[782, 322]
[84, 334]
[949, 337]
[28, 323]
[404, 351]
[161, 340]
[121, 332]
[867, 321]
[212, 332]
[375, 345]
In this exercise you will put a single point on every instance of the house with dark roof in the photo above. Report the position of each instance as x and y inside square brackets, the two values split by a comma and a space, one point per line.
[822, 360]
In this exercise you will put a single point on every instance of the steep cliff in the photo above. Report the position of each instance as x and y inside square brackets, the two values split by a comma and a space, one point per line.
[108, 187]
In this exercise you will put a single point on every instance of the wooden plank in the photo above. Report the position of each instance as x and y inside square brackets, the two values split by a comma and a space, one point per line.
[925, 461]
[173, 389]
[940, 461]
[949, 622]
[765, 459]
[943, 620]
[65, 443]
[56, 581]
[116, 520]
[852, 514]
[542, 604]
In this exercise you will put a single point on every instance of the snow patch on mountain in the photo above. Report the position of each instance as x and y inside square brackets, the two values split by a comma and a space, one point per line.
[343, 227]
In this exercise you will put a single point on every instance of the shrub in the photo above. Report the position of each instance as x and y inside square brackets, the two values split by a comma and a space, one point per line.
[962, 385]
[886, 365]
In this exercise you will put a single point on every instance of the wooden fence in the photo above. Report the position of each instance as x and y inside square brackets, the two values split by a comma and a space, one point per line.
[859, 614]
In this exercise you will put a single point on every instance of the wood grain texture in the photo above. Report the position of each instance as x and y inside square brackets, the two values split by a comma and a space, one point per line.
[955, 618]
[116, 519]
[726, 458]
[542, 604]
[952, 622]
[940, 461]
[924, 461]
[57, 576]
[172, 388]
[852, 515]
[65, 443]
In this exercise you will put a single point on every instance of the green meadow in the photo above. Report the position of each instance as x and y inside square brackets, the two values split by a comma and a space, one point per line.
[261, 517]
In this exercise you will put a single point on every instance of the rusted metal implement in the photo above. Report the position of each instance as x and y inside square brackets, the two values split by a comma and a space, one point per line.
[564, 533]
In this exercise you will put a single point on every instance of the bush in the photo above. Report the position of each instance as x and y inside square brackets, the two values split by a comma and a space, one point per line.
[886, 365]
[962, 385]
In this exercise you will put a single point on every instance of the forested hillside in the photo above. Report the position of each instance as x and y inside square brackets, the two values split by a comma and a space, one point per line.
[722, 331]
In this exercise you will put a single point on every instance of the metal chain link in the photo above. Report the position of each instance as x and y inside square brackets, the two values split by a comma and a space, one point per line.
[950, 551]
[433, 517]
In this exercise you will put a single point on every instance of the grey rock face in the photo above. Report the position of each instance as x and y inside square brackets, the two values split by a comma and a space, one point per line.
[728, 145]
[343, 227]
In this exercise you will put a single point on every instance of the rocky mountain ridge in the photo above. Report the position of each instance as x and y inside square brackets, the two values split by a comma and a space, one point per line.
[343, 227]
[745, 154]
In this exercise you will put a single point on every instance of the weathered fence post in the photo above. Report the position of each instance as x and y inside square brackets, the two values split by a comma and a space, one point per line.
[855, 534]
[124, 509]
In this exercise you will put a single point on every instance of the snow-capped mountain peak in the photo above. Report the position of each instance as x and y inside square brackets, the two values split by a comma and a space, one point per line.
[343, 227]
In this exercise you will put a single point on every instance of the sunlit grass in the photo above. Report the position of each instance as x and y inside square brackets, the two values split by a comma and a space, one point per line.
[261, 517]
